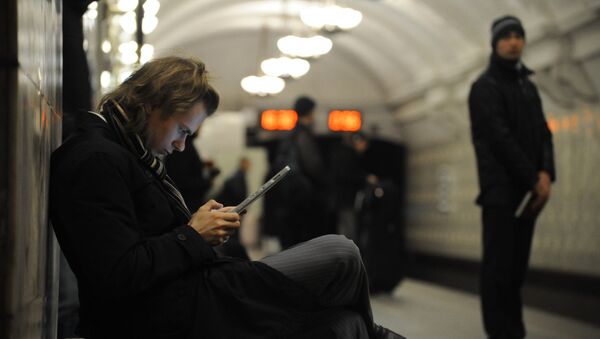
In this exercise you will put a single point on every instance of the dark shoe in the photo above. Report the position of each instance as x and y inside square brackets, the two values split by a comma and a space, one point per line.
[384, 333]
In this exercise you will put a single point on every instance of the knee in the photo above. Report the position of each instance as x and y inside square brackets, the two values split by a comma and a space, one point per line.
[343, 249]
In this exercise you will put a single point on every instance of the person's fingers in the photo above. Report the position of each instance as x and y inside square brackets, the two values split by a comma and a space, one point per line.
[221, 223]
[221, 232]
[228, 216]
[538, 203]
[211, 205]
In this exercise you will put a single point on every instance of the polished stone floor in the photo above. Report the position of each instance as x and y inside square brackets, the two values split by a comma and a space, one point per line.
[419, 309]
[422, 310]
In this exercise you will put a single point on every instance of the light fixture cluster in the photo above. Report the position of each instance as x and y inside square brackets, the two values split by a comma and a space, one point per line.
[123, 24]
[297, 50]
[331, 17]
[311, 47]
[263, 85]
[285, 67]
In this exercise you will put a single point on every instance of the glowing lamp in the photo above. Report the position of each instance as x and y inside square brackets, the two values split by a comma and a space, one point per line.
[278, 119]
[344, 121]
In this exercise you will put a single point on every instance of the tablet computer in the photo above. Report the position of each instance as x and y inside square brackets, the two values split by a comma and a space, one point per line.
[526, 201]
[262, 190]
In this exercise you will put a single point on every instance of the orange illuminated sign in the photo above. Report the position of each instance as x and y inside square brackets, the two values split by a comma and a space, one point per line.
[344, 121]
[278, 119]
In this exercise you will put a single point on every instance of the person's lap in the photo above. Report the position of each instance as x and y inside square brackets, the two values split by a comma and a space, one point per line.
[330, 268]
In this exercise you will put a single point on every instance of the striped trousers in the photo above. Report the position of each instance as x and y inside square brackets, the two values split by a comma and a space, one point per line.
[331, 268]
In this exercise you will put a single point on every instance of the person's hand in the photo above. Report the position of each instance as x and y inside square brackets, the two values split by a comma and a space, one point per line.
[372, 179]
[542, 192]
[214, 222]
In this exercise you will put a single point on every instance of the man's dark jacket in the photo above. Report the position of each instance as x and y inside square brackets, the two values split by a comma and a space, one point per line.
[510, 134]
[141, 271]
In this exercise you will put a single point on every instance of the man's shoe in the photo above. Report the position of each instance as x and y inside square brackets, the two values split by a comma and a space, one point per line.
[384, 333]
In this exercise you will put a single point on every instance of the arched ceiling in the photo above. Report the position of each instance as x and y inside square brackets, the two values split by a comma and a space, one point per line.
[400, 48]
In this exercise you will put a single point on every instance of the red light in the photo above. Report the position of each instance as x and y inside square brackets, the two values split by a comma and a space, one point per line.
[344, 121]
[278, 119]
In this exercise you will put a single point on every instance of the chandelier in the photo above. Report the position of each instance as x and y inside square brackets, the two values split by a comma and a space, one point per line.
[311, 47]
[262, 85]
[285, 67]
[331, 17]
[295, 49]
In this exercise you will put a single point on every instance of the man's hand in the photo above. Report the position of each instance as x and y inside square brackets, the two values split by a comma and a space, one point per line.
[372, 179]
[214, 222]
[542, 192]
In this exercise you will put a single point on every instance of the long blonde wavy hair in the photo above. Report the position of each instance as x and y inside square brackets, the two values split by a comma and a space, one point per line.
[171, 84]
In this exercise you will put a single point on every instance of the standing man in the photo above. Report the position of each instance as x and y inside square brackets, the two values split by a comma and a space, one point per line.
[305, 189]
[513, 146]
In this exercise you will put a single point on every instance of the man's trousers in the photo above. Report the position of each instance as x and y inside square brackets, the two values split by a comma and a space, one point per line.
[506, 249]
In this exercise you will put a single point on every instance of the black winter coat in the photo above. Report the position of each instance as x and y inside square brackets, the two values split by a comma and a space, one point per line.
[510, 134]
[142, 272]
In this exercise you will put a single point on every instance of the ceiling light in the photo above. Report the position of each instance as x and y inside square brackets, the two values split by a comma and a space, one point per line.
[128, 22]
[151, 7]
[105, 79]
[149, 23]
[127, 5]
[331, 18]
[146, 53]
[285, 67]
[128, 52]
[106, 46]
[262, 85]
[311, 47]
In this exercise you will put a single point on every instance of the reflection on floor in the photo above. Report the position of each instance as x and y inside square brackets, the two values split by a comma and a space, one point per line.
[421, 310]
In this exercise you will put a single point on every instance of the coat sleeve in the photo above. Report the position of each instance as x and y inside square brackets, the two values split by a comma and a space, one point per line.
[310, 157]
[101, 235]
[490, 127]
[547, 161]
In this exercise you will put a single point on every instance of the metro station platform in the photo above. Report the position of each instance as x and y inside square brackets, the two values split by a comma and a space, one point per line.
[421, 310]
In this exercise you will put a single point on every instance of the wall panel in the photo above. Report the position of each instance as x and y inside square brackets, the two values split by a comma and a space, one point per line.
[28, 304]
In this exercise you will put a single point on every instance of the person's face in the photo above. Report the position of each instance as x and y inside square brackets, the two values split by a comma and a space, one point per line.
[163, 136]
[308, 120]
[360, 145]
[510, 46]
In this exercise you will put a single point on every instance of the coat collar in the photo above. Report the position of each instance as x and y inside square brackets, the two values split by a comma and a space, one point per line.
[508, 68]
[92, 122]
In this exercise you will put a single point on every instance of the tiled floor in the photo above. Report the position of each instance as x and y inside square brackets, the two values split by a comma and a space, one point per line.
[418, 309]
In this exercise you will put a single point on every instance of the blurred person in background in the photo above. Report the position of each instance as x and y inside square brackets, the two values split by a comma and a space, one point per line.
[306, 188]
[234, 191]
[193, 175]
[350, 175]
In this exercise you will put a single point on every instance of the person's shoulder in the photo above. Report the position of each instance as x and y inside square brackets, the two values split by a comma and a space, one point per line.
[485, 79]
[87, 148]
[486, 84]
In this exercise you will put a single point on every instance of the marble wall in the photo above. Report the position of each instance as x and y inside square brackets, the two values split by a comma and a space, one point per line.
[33, 105]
